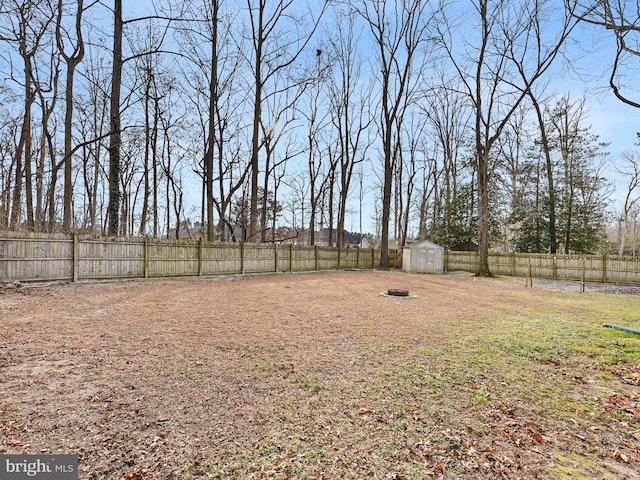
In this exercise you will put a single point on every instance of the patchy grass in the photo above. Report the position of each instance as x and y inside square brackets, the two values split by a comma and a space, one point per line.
[468, 380]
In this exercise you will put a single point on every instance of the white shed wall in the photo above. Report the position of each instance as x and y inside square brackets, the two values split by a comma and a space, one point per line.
[424, 257]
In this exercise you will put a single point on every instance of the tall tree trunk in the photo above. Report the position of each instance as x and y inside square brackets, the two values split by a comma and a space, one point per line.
[72, 62]
[255, 139]
[147, 153]
[113, 209]
[483, 213]
[386, 189]
[211, 127]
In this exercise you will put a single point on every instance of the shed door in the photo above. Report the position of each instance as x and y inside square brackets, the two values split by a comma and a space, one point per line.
[425, 261]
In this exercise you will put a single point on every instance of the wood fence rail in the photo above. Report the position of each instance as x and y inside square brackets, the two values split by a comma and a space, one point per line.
[589, 268]
[74, 257]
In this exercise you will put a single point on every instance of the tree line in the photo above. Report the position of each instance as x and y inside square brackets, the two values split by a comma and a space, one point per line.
[438, 117]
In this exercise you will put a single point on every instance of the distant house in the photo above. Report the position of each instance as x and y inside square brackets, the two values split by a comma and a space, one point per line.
[395, 245]
[322, 238]
[192, 233]
[282, 235]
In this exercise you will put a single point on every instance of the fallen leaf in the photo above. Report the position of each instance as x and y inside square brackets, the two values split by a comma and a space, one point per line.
[364, 411]
[18, 443]
[538, 437]
[415, 454]
[136, 474]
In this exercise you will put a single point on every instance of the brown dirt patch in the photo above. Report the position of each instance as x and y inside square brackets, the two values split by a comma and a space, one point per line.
[274, 376]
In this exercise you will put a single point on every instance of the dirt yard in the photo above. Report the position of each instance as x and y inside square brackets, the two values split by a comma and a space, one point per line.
[306, 376]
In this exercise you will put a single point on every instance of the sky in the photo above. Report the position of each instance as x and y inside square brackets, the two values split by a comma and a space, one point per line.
[615, 122]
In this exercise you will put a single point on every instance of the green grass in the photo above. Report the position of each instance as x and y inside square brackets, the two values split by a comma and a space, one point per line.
[513, 387]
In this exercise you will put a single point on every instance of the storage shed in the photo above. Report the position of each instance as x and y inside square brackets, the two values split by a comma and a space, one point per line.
[423, 257]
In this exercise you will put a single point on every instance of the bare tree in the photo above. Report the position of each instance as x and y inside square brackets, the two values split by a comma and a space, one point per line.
[72, 61]
[313, 107]
[514, 44]
[279, 120]
[26, 29]
[546, 150]
[113, 209]
[410, 163]
[115, 124]
[92, 124]
[447, 114]
[350, 109]
[631, 171]
[48, 98]
[8, 131]
[273, 52]
[622, 18]
[399, 29]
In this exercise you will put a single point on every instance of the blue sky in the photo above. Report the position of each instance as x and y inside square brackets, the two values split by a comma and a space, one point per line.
[613, 121]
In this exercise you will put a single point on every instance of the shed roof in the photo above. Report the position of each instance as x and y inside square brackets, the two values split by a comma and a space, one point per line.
[424, 244]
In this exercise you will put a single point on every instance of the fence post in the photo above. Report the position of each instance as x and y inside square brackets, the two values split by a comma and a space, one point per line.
[74, 260]
[315, 257]
[584, 268]
[275, 256]
[291, 257]
[604, 268]
[555, 267]
[373, 258]
[242, 257]
[338, 257]
[513, 264]
[200, 254]
[358, 258]
[146, 256]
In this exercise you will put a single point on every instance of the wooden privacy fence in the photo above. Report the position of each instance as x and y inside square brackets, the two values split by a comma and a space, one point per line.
[590, 268]
[40, 257]
[52, 257]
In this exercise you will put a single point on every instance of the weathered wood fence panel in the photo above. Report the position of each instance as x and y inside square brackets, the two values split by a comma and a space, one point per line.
[623, 269]
[31, 257]
[109, 259]
[221, 259]
[40, 257]
[590, 268]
